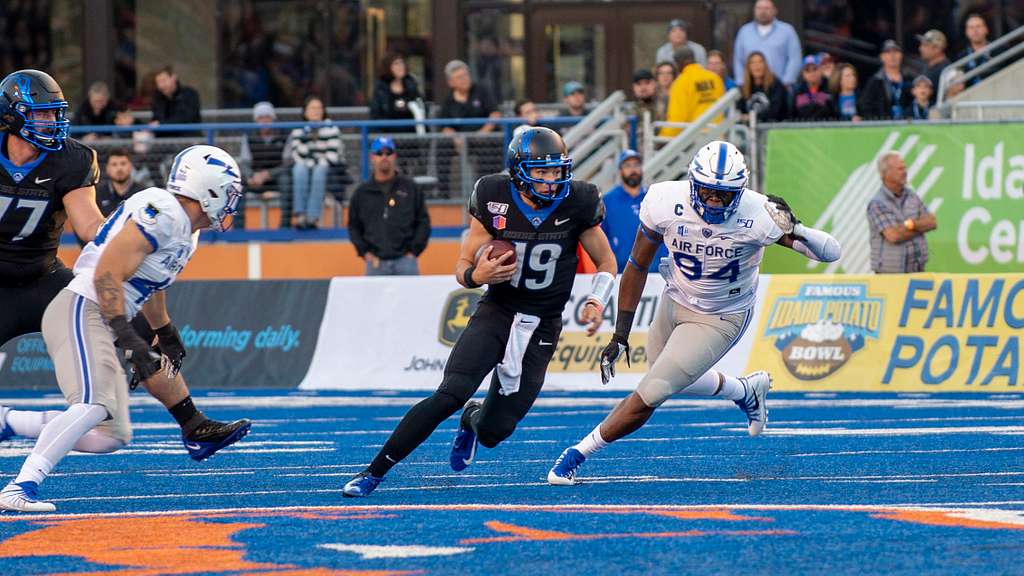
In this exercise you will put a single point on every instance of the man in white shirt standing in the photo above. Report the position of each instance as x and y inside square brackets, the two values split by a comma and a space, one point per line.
[715, 230]
[776, 39]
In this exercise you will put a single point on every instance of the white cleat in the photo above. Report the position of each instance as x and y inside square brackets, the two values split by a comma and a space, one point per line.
[563, 473]
[23, 498]
[755, 404]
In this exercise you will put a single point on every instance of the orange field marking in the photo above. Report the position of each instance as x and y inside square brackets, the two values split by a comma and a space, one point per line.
[945, 518]
[525, 534]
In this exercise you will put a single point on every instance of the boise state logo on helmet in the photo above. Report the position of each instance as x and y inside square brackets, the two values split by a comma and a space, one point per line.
[539, 147]
[32, 106]
[717, 173]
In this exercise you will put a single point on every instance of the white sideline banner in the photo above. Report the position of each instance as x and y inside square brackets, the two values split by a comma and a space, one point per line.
[395, 333]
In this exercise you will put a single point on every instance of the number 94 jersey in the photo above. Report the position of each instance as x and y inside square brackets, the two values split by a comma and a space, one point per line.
[714, 267]
[545, 241]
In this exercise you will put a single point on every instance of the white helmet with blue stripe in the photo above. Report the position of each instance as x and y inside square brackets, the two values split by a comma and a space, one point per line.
[717, 176]
[211, 177]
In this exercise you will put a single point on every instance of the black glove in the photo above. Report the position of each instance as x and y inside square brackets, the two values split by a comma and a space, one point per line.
[783, 216]
[619, 344]
[170, 345]
[143, 360]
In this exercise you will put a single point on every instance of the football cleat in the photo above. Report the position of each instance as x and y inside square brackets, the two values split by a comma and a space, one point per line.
[23, 497]
[5, 429]
[755, 403]
[211, 436]
[563, 473]
[464, 445]
[361, 485]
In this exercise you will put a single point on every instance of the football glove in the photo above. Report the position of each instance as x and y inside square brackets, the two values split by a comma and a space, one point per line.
[615, 348]
[781, 213]
[170, 345]
[143, 361]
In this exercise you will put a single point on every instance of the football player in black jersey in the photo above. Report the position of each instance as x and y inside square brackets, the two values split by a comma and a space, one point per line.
[545, 215]
[45, 180]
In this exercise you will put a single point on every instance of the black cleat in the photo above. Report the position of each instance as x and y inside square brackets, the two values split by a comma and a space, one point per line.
[211, 436]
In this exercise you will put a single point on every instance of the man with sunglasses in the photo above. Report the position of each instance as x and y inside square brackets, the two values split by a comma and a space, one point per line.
[387, 217]
[544, 214]
[716, 231]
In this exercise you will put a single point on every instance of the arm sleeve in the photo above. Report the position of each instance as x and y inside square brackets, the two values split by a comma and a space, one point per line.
[816, 244]
[422, 232]
[355, 224]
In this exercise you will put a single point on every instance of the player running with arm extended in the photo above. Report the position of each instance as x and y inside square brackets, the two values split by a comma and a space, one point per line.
[545, 214]
[138, 252]
[716, 231]
[46, 179]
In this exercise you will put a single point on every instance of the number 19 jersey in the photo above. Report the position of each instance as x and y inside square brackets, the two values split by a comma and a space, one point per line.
[714, 267]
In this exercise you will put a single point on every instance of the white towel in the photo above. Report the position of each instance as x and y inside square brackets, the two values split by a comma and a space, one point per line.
[511, 368]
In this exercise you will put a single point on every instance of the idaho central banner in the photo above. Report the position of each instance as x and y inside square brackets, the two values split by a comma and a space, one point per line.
[394, 334]
[971, 176]
[928, 333]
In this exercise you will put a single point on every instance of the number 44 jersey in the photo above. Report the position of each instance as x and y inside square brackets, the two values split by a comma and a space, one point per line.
[714, 267]
[545, 241]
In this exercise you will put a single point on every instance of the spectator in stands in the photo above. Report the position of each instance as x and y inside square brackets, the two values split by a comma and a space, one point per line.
[811, 98]
[827, 66]
[976, 31]
[527, 110]
[314, 151]
[574, 96]
[174, 103]
[693, 92]
[466, 100]
[622, 210]
[898, 220]
[396, 94]
[98, 110]
[388, 220]
[118, 185]
[762, 91]
[887, 93]
[678, 36]
[263, 164]
[645, 94]
[664, 75]
[843, 86]
[775, 39]
[923, 93]
[716, 63]
[932, 48]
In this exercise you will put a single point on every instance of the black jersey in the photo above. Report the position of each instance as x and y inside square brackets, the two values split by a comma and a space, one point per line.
[545, 241]
[32, 211]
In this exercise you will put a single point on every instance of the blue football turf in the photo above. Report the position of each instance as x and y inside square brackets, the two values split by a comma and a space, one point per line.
[839, 484]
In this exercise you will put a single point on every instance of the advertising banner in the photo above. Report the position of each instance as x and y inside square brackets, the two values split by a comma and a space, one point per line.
[379, 333]
[920, 333]
[238, 334]
[971, 176]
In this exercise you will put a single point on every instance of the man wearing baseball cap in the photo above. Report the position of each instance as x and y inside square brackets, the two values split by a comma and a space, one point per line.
[575, 98]
[622, 210]
[388, 221]
[932, 48]
[887, 94]
[678, 34]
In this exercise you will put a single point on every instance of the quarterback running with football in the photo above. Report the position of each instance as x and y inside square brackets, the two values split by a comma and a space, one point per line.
[715, 230]
[137, 253]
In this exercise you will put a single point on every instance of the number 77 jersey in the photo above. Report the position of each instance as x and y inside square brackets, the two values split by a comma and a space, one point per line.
[714, 267]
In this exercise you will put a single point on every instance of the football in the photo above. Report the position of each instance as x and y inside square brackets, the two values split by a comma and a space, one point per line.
[499, 247]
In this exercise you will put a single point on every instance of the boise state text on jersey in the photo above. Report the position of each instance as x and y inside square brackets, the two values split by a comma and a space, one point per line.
[714, 266]
[545, 241]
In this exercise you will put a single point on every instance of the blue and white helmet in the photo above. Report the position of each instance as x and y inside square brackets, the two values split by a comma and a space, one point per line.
[211, 177]
[718, 170]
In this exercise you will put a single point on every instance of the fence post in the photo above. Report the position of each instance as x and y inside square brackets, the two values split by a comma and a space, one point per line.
[632, 132]
[364, 153]
[209, 137]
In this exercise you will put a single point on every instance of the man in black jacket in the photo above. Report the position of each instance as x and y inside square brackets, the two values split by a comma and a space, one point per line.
[119, 184]
[174, 103]
[888, 93]
[387, 216]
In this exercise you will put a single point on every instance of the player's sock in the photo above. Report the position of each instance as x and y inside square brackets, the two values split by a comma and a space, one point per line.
[591, 443]
[57, 438]
[706, 385]
[418, 424]
[187, 415]
[732, 388]
[29, 423]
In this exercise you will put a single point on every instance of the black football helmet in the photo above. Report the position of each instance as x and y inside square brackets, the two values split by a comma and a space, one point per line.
[538, 147]
[22, 94]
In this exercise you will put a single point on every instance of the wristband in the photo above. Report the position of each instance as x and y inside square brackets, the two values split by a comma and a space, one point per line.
[127, 337]
[909, 224]
[467, 278]
[623, 324]
[601, 288]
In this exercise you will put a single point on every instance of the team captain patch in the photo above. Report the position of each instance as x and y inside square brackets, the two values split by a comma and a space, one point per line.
[497, 208]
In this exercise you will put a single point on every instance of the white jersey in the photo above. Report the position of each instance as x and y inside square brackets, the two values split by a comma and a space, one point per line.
[714, 266]
[163, 221]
